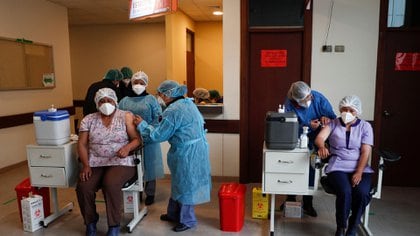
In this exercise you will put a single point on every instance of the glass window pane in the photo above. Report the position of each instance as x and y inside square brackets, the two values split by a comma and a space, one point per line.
[402, 13]
[276, 12]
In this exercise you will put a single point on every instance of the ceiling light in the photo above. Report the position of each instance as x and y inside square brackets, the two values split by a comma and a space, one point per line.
[217, 13]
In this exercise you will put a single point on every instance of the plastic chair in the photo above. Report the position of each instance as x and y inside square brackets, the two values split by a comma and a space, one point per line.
[375, 192]
[135, 188]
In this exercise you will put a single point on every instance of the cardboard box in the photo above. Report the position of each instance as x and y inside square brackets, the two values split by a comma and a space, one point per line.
[260, 204]
[128, 202]
[293, 209]
[32, 213]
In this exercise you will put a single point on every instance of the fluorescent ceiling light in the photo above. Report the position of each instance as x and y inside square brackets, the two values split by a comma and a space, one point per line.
[217, 13]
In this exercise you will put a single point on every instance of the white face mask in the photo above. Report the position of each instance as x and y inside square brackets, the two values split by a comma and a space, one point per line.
[347, 117]
[138, 88]
[160, 101]
[107, 109]
[305, 104]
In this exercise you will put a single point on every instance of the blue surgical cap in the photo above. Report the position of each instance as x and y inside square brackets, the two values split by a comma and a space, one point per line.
[298, 91]
[352, 101]
[172, 89]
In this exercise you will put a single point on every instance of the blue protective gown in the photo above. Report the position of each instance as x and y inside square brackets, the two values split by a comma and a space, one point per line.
[149, 109]
[182, 125]
[319, 107]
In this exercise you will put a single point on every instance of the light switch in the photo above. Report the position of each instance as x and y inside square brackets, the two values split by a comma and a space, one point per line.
[326, 48]
[339, 48]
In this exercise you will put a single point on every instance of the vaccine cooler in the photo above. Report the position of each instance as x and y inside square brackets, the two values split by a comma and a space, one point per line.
[281, 130]
[52, 127]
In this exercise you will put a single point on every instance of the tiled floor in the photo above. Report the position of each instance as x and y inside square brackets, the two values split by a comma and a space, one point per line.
[397, 213]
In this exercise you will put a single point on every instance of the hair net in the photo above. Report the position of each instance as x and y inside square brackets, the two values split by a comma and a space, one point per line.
[172, 89]
[352, 101]
[140, 75]
[201, 93]
[127, 72]
[113, 74]
[105, 92]
[298, 91]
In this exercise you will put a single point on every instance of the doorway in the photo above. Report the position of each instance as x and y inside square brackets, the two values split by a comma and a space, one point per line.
[396, 113]
[399, 113]
[272, 59]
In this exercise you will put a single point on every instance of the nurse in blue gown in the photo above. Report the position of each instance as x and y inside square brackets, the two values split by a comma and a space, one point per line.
[182, 125]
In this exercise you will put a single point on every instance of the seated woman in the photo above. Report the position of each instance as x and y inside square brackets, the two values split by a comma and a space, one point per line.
[106, 139]
[350, 140]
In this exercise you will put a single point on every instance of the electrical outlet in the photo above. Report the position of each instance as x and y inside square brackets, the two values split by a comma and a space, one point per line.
[326, 48]
[339, 48]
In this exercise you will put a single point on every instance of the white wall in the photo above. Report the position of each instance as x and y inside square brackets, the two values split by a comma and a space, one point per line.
[224, 154]
[42, 22]
[231, 59]
[354, 24]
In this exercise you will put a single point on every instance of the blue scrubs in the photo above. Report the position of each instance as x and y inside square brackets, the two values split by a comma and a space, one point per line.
[350, 199]
[182, 125]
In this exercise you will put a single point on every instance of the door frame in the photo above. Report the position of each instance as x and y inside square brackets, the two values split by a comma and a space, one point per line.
[244, 176]
[190, 62]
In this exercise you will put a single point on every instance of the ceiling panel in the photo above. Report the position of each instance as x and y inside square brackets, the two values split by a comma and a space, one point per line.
[84, 12]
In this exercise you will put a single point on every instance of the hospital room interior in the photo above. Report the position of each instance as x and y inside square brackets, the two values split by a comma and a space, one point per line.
[251, 53]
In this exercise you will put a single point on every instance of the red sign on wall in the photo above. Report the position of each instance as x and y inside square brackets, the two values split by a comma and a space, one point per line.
[274, 58]
[408, 61]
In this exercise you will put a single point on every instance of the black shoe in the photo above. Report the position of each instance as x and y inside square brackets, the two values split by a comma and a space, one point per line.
[309, 210]
[149, 200]
[165, 217]
[180, 227]
[351, 231]
[340, 231]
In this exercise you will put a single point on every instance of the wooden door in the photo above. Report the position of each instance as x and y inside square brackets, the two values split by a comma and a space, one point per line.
[190, 62]
[399, 112]
[275, 61]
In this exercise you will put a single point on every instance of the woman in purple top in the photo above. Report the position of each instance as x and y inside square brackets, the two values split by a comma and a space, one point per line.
[350, 144]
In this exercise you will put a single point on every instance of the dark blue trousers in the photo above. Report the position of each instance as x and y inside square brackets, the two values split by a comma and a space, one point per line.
[182, 213]
[354, 199]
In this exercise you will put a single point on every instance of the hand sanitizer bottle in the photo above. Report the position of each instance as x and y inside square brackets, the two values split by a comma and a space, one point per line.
[304, 137]
[281, 109]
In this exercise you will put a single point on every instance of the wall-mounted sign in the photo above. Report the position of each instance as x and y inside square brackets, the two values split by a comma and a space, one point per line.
[142, 9]
[408, 61]
[274, 58]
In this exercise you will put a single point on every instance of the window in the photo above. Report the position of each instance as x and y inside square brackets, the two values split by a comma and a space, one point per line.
[275, 13]
[401, 14]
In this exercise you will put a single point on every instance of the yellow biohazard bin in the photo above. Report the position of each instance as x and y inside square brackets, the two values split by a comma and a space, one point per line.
[260, 204]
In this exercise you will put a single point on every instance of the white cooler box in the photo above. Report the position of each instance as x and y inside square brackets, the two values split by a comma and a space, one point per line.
[52, 127]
